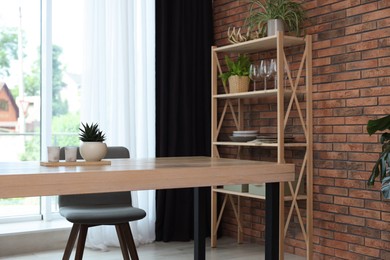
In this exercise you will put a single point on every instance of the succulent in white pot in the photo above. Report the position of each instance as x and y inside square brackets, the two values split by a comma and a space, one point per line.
[92, 148]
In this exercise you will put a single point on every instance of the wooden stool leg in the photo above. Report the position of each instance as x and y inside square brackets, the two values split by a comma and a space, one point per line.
[71, 240]
[81, 242]
[122, 241]
[130, 241]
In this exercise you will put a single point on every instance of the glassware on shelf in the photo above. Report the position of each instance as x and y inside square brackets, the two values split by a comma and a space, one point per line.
[254, 74]
[273, 71]
[263, 72]
[268, 70]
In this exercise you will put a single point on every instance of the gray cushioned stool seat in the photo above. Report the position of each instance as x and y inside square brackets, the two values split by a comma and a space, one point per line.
[102, 214]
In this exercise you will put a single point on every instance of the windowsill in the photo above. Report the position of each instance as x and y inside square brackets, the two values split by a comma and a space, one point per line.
[33, 226]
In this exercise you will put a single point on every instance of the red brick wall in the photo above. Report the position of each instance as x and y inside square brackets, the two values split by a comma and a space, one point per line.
[351, 84]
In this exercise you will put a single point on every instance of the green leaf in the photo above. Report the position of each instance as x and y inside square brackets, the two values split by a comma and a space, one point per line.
[385, 138]
[374, 173]
[380, 166]
[91, 133]
[379, 124]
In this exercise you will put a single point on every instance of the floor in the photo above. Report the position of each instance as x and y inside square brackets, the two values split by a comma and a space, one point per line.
[227, 249]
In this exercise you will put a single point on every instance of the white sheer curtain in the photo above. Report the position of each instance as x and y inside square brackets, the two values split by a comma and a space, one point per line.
[118, 91]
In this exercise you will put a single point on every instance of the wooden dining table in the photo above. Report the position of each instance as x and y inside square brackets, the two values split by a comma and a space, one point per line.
[28, 179]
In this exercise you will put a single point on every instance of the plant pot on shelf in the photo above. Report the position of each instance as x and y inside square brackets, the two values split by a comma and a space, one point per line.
[238, 84]
[274, 26]
[264, 16]
[93, 151]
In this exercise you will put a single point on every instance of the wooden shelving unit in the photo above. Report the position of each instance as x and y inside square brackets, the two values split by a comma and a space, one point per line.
[232, 103]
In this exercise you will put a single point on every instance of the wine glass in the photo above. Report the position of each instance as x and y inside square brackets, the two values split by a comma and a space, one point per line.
[263, 71]
[273, 71]
[268, 70]
[254, 74]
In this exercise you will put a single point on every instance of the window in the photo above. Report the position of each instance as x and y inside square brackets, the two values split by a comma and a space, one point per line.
[42, 72]
[3, 105]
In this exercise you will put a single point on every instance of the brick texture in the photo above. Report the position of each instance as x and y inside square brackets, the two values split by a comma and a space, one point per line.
[351, 83]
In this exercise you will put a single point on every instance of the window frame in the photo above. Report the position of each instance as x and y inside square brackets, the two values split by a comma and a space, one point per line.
[46, 204]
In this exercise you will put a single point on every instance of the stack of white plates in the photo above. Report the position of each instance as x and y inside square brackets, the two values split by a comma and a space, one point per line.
[246, 133]
[244, 136]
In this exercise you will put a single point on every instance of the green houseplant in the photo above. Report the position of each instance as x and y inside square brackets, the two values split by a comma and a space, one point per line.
[92, 147]
[237, 74]
[260, 12]
[382, 165]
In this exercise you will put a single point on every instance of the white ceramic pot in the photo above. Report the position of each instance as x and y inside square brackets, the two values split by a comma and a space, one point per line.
[93, 151]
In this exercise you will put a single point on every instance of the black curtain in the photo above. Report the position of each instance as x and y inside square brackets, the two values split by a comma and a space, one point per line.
[183, 89]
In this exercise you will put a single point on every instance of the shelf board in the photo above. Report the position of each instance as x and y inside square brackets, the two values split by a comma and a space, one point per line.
[255, 196]
[262, 44]
[259, 144]
[237, 193]
[251, 94]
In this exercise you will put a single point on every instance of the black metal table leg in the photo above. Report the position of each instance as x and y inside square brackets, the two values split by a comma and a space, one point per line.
[199, 227]
[272, 221]
[271, 228]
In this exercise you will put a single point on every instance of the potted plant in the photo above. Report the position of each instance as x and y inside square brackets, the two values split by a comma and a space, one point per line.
[237, 74]
[92, 147]
[275, 14]
[382, 165]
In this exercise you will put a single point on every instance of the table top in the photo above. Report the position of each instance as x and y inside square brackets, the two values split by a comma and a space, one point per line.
[25, 179]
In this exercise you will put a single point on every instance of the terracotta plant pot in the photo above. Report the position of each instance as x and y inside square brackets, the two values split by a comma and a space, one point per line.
[93, 151]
